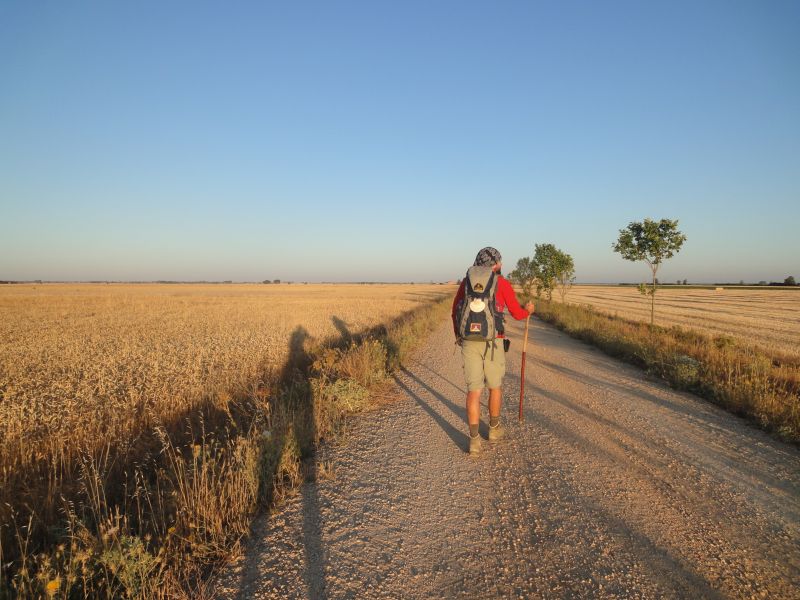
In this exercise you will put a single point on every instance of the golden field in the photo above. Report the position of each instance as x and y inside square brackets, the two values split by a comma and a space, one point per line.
[766, 317]
[96, 363]
[141, 425]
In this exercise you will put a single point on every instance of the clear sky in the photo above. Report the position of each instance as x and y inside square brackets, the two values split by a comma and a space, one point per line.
[351, 141]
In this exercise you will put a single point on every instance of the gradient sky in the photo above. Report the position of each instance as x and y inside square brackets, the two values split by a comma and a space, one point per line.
[352, 141]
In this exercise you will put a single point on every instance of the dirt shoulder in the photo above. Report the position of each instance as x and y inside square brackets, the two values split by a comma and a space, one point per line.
[614, 486]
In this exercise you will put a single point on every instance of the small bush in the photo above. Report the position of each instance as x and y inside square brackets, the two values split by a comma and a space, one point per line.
[333, 402]
[129, 562]
[364, 363]
[684, 371]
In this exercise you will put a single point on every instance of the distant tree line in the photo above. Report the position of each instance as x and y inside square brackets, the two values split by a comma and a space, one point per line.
[789, 281]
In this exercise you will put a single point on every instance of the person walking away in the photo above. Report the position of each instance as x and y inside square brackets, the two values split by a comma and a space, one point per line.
[477, 315]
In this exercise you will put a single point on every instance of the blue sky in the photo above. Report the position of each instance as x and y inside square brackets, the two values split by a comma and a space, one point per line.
[350, 141]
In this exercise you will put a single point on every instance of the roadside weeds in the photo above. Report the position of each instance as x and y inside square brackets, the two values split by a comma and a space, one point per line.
[747, 380]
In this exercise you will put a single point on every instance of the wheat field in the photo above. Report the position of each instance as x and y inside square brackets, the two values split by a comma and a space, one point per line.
[141, 424]
[95, 363]
[769, 318]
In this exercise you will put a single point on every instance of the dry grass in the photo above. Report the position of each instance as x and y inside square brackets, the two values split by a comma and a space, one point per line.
[84, 365]
[140, 424]
[768, 318]
[759, 384]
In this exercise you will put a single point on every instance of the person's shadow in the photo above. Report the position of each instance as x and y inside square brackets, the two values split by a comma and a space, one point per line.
[303, 423]
[459, 438]
[294, 432]
[343, 329]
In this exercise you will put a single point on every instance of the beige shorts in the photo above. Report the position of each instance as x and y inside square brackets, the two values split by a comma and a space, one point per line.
[481, 369]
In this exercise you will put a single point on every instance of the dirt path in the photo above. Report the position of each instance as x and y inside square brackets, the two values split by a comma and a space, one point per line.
[615, 486]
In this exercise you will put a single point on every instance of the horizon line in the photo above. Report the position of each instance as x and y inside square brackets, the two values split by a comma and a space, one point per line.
[741, 283]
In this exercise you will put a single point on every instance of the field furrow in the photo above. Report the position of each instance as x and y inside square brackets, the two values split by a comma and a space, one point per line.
[769, 318]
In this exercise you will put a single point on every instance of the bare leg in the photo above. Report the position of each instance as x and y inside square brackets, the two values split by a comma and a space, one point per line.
[495, 397]
[474, 407]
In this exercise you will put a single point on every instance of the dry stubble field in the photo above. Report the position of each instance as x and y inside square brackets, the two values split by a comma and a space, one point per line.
[769, 318]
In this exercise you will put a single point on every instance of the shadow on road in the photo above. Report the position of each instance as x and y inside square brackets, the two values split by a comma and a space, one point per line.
[460, 438]
[458, 410]
[299, 435]
[299, 362]
[417, 363]
[707, 418]
[671, 573]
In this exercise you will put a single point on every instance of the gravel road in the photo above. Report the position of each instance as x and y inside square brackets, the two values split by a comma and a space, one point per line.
[615, 486]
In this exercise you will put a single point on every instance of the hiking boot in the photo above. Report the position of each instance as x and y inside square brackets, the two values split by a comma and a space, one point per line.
[475, 444]
[497, 432]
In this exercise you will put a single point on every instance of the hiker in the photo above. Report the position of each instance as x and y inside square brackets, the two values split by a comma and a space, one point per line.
[478, 324]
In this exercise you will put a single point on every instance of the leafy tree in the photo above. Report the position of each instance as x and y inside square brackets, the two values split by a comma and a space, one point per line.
[524, 276]
[652, 242]
[564, 268]
[544, 268]
[552, 267]
[789, 280]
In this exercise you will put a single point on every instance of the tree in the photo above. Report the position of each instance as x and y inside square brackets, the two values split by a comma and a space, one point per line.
[789, 280]
[524, 276]
[543, 267]
[652, 242]
[564, 268]
[552, 267]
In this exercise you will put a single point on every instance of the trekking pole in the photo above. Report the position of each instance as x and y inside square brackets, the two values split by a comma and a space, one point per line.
[522, 369]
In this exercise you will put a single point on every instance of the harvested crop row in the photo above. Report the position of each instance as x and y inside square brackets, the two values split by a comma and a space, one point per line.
[768, 318]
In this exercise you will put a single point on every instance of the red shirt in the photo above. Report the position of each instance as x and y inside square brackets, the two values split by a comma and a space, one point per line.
[504, 297]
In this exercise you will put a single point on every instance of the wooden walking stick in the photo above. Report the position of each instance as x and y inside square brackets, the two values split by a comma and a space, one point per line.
[522, 369]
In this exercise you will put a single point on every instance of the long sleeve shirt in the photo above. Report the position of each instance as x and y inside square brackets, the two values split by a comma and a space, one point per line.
[504, 298]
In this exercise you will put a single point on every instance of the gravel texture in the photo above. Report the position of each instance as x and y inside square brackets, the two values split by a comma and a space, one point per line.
[614, 486]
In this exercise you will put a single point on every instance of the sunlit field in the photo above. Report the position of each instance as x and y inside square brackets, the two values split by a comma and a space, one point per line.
[766, 317]
[141, 424]
[86, 364]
